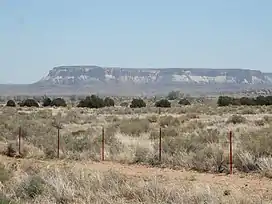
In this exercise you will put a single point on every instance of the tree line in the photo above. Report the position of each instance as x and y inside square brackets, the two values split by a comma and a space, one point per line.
[246, 101]
[95, 101]
[92, 101]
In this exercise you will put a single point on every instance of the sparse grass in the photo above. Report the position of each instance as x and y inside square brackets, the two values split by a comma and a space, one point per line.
[193, 137]
[134, 127]
[81, 185]
[236, 119]
[4, 200]
[31, 187]
[4, 174]
[187, 137]
[169, 121]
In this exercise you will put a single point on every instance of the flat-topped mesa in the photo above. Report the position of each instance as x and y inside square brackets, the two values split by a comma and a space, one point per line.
[69, 75]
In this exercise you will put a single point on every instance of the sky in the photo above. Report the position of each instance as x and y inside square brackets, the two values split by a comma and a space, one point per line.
[36, 36]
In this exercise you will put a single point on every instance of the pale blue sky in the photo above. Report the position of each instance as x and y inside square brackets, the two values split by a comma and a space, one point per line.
[36, 35]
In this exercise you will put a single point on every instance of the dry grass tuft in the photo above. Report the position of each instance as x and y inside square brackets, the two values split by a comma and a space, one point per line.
[4, 174]
[134, 127]
[235, 119]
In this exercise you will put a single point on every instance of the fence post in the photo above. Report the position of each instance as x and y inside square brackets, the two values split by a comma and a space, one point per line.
[20, 135]
[230, 152]
[103, 145]
[58, 142]
[160, 145]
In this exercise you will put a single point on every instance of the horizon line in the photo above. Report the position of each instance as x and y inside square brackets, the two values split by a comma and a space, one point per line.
[119, 67]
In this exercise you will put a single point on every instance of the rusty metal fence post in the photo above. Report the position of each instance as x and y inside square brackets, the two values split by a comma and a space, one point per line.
[58, 143]
[103, 145]
[230, 152]
[19, 142]
[160, 145]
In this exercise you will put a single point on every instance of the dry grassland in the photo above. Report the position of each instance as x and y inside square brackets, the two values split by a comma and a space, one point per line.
[194, 167]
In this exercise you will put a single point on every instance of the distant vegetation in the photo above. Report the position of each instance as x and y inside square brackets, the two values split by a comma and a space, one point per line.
[163, 103]
[137, 103]
[58, 102]
[11, 103]
[47, 102]
[29, 103]
[108, 102]
[184, 102]
[246, 101]
[94, 101]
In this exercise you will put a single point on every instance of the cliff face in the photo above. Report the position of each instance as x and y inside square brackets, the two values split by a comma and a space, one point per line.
[81, 75]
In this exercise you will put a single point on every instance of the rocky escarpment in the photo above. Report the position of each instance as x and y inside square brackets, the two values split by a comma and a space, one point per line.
[77, 75]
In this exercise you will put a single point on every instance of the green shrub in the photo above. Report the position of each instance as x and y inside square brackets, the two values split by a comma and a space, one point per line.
[108, 102]
[58, 102]
[247, 101]
[11, 103]
[47, 102]
[269, 100]
[29, 103]
[236, 102]
[163, 103]
[92, 101]
[137, 103]
[184, 102]
[264, 100]
[261, 100]
[224, 101]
